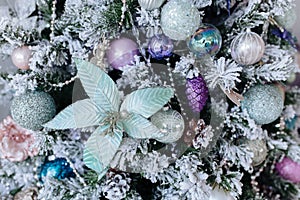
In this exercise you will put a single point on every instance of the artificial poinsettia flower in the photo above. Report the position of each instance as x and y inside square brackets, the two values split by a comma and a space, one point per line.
[105, 110]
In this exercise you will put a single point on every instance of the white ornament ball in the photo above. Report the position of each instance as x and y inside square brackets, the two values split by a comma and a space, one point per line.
[219, 194]
[259, 149]
[179, 19]
[247, 48]
[20, 57]
[170, 123]
[151, 4]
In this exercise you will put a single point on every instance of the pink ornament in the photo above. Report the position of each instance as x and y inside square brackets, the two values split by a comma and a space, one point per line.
[20, 57]
[121, 52]
[289, 170]
[16, 143]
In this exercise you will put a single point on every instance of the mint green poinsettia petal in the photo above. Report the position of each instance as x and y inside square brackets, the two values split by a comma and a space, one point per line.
[80, 114]
[137, 126]
[98, 85]
[101, 147]
[147, 101]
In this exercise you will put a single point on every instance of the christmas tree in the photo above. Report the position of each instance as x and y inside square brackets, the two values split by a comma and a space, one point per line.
[149, 99]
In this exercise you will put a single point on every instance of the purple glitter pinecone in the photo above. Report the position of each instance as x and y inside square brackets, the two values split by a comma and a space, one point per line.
[197, 93]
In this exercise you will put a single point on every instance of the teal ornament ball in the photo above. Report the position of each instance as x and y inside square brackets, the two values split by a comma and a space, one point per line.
[264, 103]
[179, 19]
[31, 110]
[207, 40]
[170, 123]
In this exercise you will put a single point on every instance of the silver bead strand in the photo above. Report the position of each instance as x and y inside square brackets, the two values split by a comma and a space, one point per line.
[53, 19]
[175, 92]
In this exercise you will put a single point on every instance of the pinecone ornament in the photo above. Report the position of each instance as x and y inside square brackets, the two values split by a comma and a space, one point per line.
[197, 93]
[116, 186]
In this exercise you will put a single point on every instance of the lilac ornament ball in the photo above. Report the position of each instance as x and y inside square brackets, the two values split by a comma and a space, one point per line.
[121, 52]
[289, 170]
[160, 46]
[20, 57]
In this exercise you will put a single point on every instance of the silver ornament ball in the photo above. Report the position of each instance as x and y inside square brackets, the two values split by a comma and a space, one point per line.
[151, 4]
[179, 19]
[264, 103]
[33, 109]
[20, 57]
[259, 149]
[170, 123]
[247, 48]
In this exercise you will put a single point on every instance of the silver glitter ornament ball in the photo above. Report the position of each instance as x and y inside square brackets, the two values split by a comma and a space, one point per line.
[151, 4]
[179, 19]
[264, 103]
[247, 48]
[33, 109]
[170, 123]
[259, 149]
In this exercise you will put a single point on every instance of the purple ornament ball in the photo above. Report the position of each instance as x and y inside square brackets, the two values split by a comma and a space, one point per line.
[121, 52]
[160, 46]
[289, 170]
[197, 93]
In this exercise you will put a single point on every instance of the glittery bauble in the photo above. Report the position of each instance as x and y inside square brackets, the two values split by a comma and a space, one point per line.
[33, 109]
[20, 57]
[288, 20]
[264, 103]
[207, 40]
[59, 168]
[160, 46]
[259, 149]
[121, 52]
[151, 4]
[179, 19]
[170, 123]
[289, 170]
[197, 93]
[219, 194]
[247, 48]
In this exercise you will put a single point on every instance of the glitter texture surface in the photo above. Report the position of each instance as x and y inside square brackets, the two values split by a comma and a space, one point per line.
[264, 103]
[247, 48]
[179, 19]
[31, 110]
[207, 40]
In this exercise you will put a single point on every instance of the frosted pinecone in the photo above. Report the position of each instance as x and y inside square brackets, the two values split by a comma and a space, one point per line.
[197, 93]
[116, 186]
[204, 135]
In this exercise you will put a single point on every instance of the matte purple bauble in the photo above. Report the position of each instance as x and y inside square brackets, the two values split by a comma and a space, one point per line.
[20, 57]
[121, 52]
[289, 170]
[160, 46]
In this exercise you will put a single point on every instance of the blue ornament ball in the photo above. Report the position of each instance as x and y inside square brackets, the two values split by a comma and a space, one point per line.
[207, 40]
[58, 168]
[264, 103]
[33, 109]
[160, 46]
